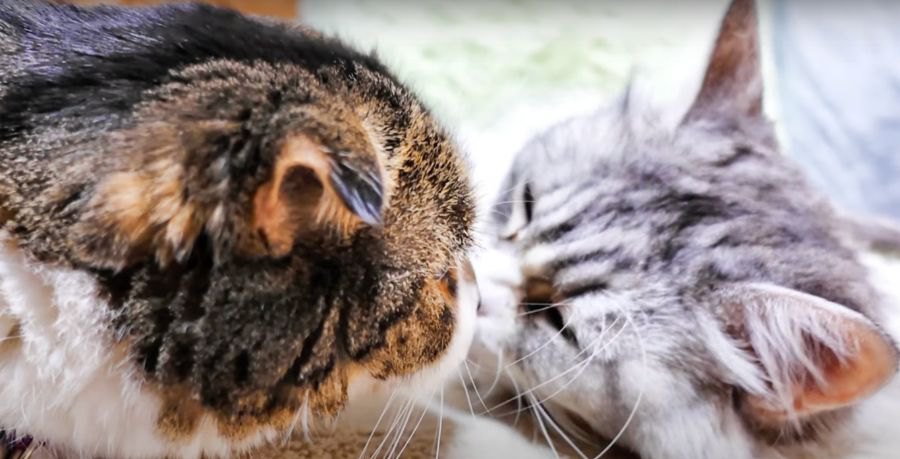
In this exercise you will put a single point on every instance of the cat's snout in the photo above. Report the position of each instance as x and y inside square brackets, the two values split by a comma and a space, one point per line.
[469, 292]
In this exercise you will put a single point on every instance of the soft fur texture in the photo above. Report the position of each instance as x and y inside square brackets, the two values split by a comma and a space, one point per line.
[213, 225]
[681, 289]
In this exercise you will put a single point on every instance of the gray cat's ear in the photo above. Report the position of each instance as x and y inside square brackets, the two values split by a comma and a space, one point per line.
[732, 86]
[311, 187]
[811, 355]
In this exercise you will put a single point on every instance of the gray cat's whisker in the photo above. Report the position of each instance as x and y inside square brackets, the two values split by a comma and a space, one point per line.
[542, 346]
[474, 386]
[560, 375]
[518, 398]
[564, 417]
[593, 342]
[498, 374]
[559, 431]
[531, 201]
[537, 416]
[640, 396]
[582, 365]
[580, 368]
[547, 307]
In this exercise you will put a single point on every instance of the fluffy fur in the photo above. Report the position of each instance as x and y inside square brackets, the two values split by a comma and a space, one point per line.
[682, 289]
[212, 226]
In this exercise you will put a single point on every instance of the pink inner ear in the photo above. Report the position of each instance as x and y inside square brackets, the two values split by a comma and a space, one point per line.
[851, 356]
[848, 382]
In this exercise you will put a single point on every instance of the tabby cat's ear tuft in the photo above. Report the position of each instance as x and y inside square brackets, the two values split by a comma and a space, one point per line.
[732, 85]
[814, 355]
[312, 187]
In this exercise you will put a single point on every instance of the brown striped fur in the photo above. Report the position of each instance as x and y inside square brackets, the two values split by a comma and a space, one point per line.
[267, 210]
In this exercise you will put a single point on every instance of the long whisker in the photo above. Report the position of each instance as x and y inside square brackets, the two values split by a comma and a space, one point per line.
[584, 365]
[576, 367]
[437, 447]
[542, 346]
[563, 418]
[516, 201]
[517, 397]
[559, 431]
[384, 411]
[416, 428]
[389, 434]
[399, 435]
[533, 389]
[498, 374]
[547, 307]
[537, 416]
[466, 391]
[640, 396]
[290, 431]
[474, 386]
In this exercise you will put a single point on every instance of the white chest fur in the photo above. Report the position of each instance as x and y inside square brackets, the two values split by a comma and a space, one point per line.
[61, 378]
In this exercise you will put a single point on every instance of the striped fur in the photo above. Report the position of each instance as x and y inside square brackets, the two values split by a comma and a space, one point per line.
[704, 300]
[232, 220]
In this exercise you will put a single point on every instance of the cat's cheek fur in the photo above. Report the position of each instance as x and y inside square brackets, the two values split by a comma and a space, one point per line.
[62, 381]
[424, 382]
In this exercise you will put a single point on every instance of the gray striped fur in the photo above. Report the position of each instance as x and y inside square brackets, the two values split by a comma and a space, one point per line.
[695, 275]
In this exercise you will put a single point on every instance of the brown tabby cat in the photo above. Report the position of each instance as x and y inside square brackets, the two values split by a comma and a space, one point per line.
[213, 226]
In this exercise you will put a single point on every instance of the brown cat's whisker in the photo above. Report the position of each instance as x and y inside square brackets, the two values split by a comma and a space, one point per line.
[401, 431]
[389, 434]
[437, 445]
[384, 411]
[414, 430]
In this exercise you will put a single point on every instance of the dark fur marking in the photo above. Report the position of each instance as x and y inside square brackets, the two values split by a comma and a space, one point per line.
[575, 290]
[242, 368]
[114, 54]
[599, 254]
[741, 153]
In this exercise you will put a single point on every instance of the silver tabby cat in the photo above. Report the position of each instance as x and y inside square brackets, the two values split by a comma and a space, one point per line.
[684, 282]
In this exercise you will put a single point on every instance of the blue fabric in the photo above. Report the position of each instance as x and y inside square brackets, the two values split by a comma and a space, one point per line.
[838, 74]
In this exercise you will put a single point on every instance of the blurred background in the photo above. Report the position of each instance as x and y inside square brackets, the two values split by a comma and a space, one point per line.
[497, 72]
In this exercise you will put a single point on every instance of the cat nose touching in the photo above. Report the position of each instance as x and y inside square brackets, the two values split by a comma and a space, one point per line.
[468, 294]
[498, 286]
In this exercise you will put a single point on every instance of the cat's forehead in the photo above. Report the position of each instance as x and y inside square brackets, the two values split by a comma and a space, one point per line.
[641, 151]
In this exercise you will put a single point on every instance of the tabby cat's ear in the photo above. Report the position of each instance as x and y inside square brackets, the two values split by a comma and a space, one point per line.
[732, 86]
[813, 355]
[312, 187]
